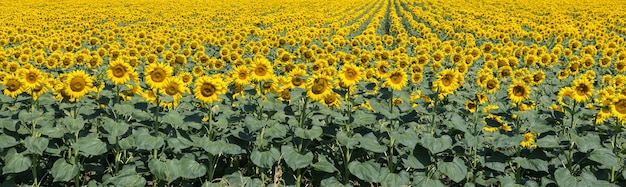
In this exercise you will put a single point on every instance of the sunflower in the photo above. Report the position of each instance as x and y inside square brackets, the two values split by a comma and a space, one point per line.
[518, 91]
[350, 74]
[529, 140]
[262, 70]
[620, 66]
[43, 87]
[583, 90]
[240, 75]
[197, 71]
[78, 84]
[332, 100]
[32, 77]
[174, 87]
[318, 87]
[538, 77]
[491, 85]
[155, 74]
[295, 78]
[447, 82]
[397, 79]
[13, 85]
[482, 98]
[563, 74]
[119, 72]
[470, 106]
[207, 88]
[618, 108]
[603, 114]
[382, 68]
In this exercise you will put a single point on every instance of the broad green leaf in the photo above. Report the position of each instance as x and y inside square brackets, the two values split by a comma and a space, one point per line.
[90, 146]
[190, 168]
[408, 138]
[532, 164]
[436, 145]
[495, 162]
[175, 119]
[362, 118]
[145, 141]
[564, 178]
[370, 142]
[549, 141]
[457, 122]
[456, 169]
[324, 165]
[367, 171]
[178, 143]
[73, 125]
[276, 130]
[7, 141]
[604, 156]
[114, 128]
[587, 142]
[331, 181]
[265, 159]
[168, 170]
[27, 116]
[253, 124]
[57, 131]
[36, 145]
[393, 179]
[62, 171]
[309, 134]
[294, 159]
[129, 180]
[421, 179]
[349, 142]
[15, 162]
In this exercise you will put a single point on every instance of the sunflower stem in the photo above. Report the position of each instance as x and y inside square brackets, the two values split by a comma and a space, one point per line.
[391, 101]
[432, 122]
[303, 111]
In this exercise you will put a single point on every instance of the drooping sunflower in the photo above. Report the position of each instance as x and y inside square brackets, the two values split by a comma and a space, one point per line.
[538, 77]
[529, 140]
[318, 87]
[208, 88]
[240, 75]
[119, 72]
[155, 74]
[13, 85]
[583, 90]
[397, 79]
[518, 91]
[350, 74]
[78, 84]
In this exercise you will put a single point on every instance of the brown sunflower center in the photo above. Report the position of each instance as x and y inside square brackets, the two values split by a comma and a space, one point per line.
[207, 90]
[319, 86]
[119, 71]
[297, 81]
[13, 85]
[620, 106]
[157, 75]
[31, 78]
[396, 78]
[78, 84]
[519, 91]
[582, 89]
[260, 70]
[350, 74]
[491, 84]
[172, 89]
[446, 80]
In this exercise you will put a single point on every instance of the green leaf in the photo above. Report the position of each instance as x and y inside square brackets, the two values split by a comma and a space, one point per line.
[324, 165]
[265, 159]
[331, 181]
[276, 130]
[457, 122]
[456, 169]
[367, 171]
[408, 138]
[436, 145]
[62, 171]
[175, 119]
[15, 162]
[7, 141]
[53, 131]
[216, 147]
[309, 134]
[564, 178]
[168, 170]
[421, 179]
[532, 164]
[73, 125]
[349, 142]
[36, 145]
[393, 179]
[114, 128]
[604, 156]
[549, 141]
[128, 176]
[26, 116]
[362, 118]
[587, 142]
[370, 142]
[90, 146]
[294, 159]
[191, 168]
[145, 141]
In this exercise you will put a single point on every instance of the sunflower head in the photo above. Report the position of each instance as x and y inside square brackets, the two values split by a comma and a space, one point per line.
[13, 85]
[262, 70]
[470, 106]
[397, 79]
[518, 91]
[350, 74]
[78, 84]
[155, 74]
[318, 87]
[583, 89]
[208, 88]
[119, 72]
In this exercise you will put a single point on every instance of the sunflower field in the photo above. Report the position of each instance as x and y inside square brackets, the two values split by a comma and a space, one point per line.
[312, 93]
